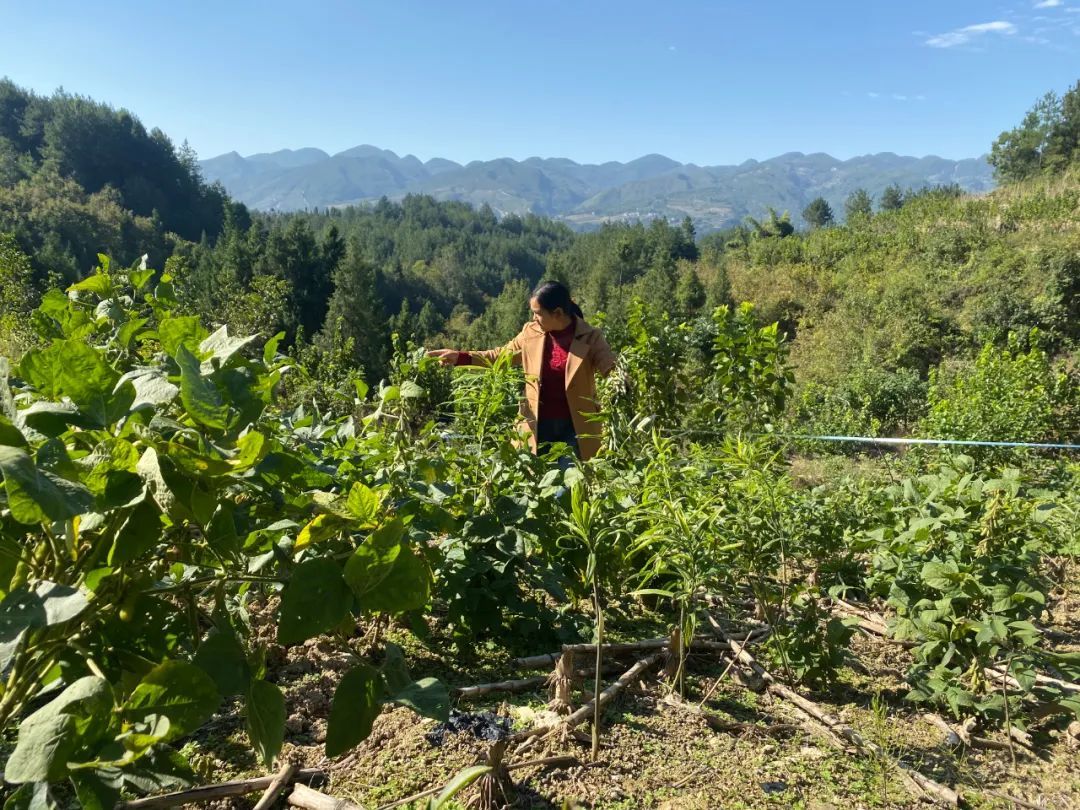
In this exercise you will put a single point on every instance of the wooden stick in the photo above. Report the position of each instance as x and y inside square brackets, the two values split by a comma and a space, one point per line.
[237, 787]
[1014, 800]
[280, 781]
[535, 661]
[308, 799]
[615, 649]
[838, 730]
[962, 735]
[871, 623]
[521, 685]
[1043, 680]
[550, 659]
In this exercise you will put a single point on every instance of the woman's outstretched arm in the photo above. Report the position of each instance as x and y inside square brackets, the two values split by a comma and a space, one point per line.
[486, 357]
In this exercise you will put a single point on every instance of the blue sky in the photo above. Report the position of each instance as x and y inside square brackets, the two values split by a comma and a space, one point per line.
[593, 80]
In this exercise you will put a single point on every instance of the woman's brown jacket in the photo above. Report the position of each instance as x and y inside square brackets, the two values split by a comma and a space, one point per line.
[589, 354]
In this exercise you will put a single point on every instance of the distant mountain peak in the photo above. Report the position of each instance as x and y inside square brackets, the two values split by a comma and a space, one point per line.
[584, 195]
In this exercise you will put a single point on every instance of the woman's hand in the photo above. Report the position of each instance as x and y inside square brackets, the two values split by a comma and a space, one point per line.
[448, 357]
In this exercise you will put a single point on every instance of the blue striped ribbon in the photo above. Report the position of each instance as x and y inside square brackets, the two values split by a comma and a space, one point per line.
[959, 442]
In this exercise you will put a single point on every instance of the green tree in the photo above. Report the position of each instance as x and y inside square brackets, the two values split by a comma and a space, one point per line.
[355, 316]
[428, 323]
[1063, 148]
[1019, 153]
[818, 214]
[859, 204]
[17, 297]
[776, 225]
[689, 292]
[892, 199]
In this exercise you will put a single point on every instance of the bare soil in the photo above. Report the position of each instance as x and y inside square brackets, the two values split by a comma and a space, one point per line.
[658, 750]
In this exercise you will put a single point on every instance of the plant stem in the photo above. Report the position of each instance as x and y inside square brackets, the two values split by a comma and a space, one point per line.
[599, 667]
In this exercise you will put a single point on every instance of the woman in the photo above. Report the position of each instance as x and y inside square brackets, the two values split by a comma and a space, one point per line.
[561, 355]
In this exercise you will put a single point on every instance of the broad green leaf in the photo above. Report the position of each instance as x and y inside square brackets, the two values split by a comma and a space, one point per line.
[428, 697]
[89, 381]
[111, 456]
[61, 602]
[361, 389]
[161, 769]
[410, 390]
[183, 331]
[353, 711]
[221, 347]
[150, 470]
[93, 792]
[35, 495]
[43, 750]
[19, 610]
[374, 559]
[394, 670]
[201, 398]
[52, 418]
[36, 796]
[405, 588]
[319, 528]
[315, 601]
[940, 576]
[126, 333]
[10, 435]
[140, 277]
[152, 388]
[100, 284]
[49, 736]
[177, 690]
[364, 503]
[251, 448]
[140, 533]
[270, 348]
[222, 658]
[266, 719]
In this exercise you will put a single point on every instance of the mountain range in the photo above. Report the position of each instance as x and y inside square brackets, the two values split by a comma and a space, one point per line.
[583, 195]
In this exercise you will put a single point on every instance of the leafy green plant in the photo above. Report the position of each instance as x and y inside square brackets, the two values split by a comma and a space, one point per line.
[148, 486]
[678, 550]
[959, 561]
[1008, 394]
[600, 537]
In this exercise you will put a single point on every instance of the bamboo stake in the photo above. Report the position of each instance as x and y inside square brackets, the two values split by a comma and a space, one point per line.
[237, 787]
[266, 801]
[521, 685]
[535, 661]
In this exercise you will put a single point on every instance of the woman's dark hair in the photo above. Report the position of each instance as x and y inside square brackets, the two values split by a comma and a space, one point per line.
[553, 295]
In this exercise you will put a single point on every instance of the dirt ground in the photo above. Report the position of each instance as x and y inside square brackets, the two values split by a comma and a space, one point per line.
[657, 750]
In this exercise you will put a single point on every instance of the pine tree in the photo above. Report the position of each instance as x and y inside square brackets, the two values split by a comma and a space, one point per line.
[818, 214]
[892, 199]
[858, 205]
[355, 314]
[689, 292]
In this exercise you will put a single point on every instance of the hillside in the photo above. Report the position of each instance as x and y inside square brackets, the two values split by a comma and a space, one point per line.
[583, 195]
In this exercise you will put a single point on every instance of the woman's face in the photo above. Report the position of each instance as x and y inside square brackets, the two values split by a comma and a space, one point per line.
[548, 320]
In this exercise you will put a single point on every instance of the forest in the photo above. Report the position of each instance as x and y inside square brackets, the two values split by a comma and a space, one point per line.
[248, 527]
